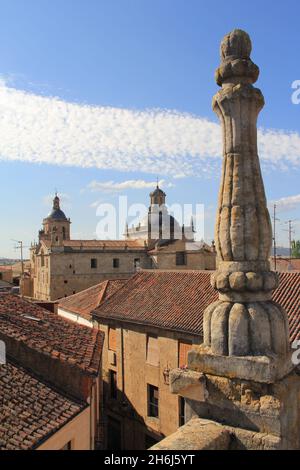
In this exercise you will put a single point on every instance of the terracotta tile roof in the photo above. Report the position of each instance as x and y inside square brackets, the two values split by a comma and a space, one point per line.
[50, 334]
[5, 268]
[101, 244]
[286, 264]
[288, 295]
[176, 300]
[84, 302]
[30, 410]
[179, 245]
[167, 299]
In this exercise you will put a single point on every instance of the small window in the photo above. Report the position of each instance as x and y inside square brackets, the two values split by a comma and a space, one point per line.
[93, 263]
[181, 411]
[113, 384]
[180, 258]
[152, 350]
[116, 263]
[112, 339]
[137, 262]
[66, 282]
[1, 276]
[152, 401]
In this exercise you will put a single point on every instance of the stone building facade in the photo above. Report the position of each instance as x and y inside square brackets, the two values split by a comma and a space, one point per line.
[61, 266]
[6, 274]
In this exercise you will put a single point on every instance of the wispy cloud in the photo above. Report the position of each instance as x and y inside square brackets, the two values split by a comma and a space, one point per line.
[286, 204]
[112, 187]
[38, 129]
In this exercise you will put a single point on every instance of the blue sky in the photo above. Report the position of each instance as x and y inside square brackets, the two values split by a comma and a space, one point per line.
[120, 90]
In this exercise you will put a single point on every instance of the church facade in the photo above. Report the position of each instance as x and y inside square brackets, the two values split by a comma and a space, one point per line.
[61, 266]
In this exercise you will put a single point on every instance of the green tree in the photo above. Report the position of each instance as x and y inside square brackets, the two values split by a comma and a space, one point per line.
[296, 249]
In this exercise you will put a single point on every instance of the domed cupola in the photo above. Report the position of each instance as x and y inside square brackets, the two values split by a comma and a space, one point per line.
[56, 226]
[56, 213]
[157, 197]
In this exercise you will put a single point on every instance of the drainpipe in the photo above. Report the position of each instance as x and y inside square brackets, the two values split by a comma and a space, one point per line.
[123, 379]
[122, 362]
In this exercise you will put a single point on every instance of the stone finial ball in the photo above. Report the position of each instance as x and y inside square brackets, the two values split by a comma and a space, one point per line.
[236, 45]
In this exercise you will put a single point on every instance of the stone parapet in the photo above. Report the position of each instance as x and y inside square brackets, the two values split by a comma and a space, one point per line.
[197, 434]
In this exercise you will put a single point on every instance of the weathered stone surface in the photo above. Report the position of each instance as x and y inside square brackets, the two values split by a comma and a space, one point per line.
[271, 281]
[253, 409]
[188, 383]
[238, 338]
[243, 228]
[197, 434]
[247, 329]
[265, 369]
[237, 281]
[222, 282]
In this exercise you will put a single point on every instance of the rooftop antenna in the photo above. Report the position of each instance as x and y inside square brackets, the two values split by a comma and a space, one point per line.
[290, 231]
[274, 237]
[20, 246]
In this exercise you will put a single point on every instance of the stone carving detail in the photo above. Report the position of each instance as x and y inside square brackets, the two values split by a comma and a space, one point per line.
[244, 322]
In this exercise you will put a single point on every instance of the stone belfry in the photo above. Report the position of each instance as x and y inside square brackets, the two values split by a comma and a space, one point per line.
[242, 378]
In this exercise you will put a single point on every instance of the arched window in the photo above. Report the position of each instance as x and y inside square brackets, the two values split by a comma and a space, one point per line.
[64, 233]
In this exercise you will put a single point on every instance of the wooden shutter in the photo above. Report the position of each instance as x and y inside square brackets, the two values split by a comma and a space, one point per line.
[112, 339]
[184, 348]
[152, 350]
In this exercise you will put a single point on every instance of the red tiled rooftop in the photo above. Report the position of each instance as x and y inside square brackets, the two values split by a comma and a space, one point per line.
[102, 244]
[176, 300]
[288, 296]
[30, 410]
[46, 332]
[84, 302]
[5, 268]
[286, 264]
[167, 299]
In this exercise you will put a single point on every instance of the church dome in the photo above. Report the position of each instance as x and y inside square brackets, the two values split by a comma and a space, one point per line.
[157, 192]
[56, 213]
[158, 196]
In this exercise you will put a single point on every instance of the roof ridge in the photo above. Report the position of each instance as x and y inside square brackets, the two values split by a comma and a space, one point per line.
[61, 301]
[102, 293]
[118, 290]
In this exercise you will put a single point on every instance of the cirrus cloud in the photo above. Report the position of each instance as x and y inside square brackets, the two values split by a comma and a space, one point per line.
[287, 203]
[40, 129]
[111, 186]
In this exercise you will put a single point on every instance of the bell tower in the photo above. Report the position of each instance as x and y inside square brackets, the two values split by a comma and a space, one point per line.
[56, 226]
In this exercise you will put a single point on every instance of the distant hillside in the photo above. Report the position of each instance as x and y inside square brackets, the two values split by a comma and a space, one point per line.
[282, 251]
[8, 261]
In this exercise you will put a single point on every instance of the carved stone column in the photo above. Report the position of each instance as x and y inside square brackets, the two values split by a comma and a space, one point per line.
[245, 321]
[241, 377]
